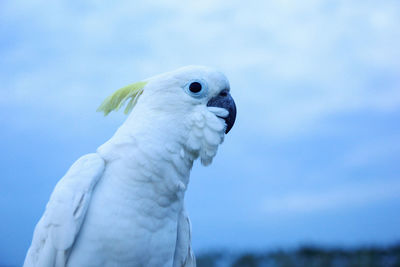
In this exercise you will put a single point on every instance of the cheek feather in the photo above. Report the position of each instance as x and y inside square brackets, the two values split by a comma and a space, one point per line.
[205, 134]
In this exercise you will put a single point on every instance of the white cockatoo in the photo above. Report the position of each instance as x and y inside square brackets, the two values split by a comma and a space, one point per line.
[123, 205]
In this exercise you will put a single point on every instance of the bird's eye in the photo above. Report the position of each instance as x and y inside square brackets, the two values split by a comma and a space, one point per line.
[196, 88]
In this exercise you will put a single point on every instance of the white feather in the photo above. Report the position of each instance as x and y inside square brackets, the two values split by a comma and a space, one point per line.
[65, 212]
[123, 206]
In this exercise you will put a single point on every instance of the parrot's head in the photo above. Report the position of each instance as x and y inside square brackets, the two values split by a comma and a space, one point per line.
[192, 102]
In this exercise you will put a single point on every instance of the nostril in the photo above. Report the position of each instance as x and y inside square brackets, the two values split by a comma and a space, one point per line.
[223, 93]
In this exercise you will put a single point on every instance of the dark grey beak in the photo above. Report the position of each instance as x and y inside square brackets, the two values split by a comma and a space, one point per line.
[225, 100]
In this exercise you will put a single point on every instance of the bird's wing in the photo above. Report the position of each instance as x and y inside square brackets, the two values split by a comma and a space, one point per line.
[184, 256]
[56, 231]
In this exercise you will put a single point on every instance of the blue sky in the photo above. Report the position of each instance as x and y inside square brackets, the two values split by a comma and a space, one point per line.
[313, 157]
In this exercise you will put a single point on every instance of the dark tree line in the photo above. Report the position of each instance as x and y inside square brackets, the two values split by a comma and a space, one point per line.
[308, 256]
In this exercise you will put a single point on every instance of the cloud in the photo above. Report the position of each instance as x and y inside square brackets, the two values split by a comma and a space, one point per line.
[294, 63]
[344, 197]
[373, 151]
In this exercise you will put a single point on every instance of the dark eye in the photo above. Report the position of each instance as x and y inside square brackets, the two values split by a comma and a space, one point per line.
[195, 87]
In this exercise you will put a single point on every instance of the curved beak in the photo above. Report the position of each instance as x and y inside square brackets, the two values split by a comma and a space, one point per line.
[225, 100]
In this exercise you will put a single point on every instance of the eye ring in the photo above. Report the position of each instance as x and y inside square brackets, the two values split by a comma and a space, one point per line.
[196, 88]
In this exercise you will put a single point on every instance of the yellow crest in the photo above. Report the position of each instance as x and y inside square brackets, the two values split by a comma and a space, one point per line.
[119, 97]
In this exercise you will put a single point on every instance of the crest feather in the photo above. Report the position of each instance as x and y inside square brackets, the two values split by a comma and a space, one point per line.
[119, 97]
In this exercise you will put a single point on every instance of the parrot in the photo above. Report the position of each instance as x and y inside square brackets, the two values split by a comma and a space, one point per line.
[124, 204]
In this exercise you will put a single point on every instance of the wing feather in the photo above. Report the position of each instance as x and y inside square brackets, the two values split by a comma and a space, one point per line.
[184, 256]
[56, 231]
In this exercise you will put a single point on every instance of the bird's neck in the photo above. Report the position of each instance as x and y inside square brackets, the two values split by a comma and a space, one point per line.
[152, 153]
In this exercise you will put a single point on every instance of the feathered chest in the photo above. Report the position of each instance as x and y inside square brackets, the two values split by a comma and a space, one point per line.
[128, 219]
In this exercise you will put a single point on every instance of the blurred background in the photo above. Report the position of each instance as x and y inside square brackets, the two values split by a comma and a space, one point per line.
[312, 160]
